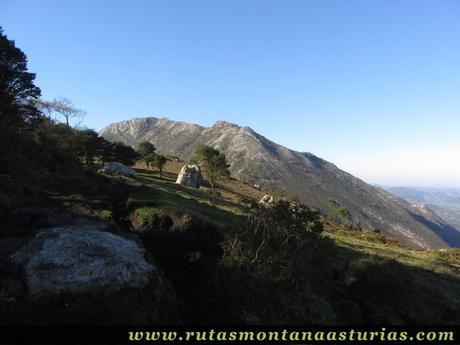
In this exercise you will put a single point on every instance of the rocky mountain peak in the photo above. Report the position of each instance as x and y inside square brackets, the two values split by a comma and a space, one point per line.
[224, 124]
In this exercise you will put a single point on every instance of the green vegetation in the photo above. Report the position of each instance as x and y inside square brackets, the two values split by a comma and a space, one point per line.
[35, 146]
[285, 263]
[18, 115]
[159, 193]
[159, 162]
[92, 145]
[146, 152]
[213, 162]
[340, 213]
[105, 214]
[144, 213]
[288, 263]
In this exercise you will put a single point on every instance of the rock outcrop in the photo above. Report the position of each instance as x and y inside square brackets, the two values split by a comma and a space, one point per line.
[118, 168]
[190, 175]
[71, 260]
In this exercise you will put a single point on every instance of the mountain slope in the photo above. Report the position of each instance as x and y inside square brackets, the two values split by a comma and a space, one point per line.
[257, 160]
[443, 202]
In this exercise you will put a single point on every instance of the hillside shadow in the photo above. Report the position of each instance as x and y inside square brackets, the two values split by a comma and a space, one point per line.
[391, 292]
[449, 234]
[347, 286]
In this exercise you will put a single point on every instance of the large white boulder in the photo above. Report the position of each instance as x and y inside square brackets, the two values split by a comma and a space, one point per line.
[118, 168]
[267, 200]
[190, 175]
[72, 260]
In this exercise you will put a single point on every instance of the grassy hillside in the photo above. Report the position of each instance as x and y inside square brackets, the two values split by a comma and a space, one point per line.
[228, 267]
[225, 206]
[220, 206]
[353, 275]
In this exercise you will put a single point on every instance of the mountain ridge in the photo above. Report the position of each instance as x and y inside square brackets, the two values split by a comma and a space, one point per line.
[257, 160]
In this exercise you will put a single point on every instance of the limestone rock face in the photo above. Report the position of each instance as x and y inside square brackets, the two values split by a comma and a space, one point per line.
[190, 175]
[118, 168]
[72, 260]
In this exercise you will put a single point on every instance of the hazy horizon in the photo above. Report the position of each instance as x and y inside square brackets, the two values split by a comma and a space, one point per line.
[369, 86]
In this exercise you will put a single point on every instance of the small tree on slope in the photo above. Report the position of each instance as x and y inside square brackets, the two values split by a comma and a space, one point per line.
[213, 163]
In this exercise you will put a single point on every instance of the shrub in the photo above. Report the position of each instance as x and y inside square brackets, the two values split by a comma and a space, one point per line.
[276, 263]
[247, 202]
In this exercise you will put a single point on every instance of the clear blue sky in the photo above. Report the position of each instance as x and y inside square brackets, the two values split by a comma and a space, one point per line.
[373, 86]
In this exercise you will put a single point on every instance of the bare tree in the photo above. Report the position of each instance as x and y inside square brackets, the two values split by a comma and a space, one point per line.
[62, 109]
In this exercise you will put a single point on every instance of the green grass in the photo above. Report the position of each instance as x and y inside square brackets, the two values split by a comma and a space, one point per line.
[144, 213]
[444, 261]
[105, 214]
[153, 194]
[395, 284]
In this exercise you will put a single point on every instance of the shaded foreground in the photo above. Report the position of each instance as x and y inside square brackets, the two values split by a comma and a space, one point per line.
[216, 265]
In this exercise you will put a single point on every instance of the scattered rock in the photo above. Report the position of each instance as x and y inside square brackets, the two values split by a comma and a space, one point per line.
[267, 200]
[190, 175]
[118, 168]
[258, 187]
[71, 260]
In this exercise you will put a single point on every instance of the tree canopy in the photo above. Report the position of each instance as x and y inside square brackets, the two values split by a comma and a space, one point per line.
[62, 110]
[17, 89]
[146, 151]
[17, 109]
[124, 154]
[38, 138]
[159, 161]
[212, 161]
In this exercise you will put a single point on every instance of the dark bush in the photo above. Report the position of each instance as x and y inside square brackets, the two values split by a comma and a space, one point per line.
[275, 265]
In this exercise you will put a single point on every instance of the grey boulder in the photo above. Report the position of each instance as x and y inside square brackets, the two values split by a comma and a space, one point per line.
[118, 168]
[72, 260]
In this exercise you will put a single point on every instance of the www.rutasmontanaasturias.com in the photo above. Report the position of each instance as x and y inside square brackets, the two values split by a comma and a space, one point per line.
[291, 336]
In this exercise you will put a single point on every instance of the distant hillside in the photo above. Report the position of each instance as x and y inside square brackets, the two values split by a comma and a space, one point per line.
[444, 202]
[257, 160]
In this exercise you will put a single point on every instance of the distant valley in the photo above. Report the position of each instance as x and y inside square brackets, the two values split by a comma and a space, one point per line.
[444, 202]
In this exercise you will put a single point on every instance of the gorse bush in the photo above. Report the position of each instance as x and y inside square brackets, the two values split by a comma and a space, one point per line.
[280, 233]
[279, 250]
